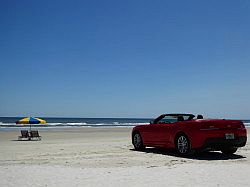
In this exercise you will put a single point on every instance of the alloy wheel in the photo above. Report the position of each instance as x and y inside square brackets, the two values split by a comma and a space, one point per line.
[137, 141]
[182, 144]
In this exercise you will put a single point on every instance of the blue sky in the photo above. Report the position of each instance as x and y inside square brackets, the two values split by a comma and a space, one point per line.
[117, 58]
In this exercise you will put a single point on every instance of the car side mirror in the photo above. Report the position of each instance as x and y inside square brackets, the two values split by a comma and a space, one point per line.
[152, 122]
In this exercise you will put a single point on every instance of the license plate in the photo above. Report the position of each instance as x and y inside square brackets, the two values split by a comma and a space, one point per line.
[229, 136]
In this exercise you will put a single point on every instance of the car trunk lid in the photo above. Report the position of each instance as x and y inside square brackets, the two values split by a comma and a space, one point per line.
[221, 124]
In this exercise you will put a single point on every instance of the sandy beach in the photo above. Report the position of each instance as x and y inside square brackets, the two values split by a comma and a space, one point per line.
[105, 157]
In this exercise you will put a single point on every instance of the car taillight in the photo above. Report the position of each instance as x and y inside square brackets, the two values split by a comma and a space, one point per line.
[208, 127]
[242, 126]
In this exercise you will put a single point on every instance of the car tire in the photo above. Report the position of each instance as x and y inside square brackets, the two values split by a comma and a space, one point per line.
[183, 146]
[137, 141]
[229, 151]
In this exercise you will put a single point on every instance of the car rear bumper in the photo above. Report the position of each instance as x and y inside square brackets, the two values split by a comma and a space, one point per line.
[222, 143]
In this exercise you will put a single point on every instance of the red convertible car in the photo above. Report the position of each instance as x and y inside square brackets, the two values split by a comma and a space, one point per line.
[187, 133]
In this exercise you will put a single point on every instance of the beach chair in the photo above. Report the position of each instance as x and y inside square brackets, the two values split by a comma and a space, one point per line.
[24, 135]
[35, 135]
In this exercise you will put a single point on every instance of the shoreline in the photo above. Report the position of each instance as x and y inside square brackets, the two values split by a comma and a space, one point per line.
[72, 127]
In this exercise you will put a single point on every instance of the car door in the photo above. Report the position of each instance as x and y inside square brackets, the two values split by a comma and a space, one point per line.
[157, 134]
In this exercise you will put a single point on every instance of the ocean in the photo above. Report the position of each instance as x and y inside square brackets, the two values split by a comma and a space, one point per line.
[9, 122]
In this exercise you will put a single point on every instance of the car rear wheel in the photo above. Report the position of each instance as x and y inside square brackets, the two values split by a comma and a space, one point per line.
[137, 141]
[229, 151]
[182, 145]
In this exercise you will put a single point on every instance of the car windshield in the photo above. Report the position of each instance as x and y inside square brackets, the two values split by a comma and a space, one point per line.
[173, 118]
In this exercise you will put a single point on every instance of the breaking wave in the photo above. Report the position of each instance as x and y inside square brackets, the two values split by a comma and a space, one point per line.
[64, 125]
[85, 122]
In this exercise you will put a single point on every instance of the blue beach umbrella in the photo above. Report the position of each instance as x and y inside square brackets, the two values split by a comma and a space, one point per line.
[30, 121]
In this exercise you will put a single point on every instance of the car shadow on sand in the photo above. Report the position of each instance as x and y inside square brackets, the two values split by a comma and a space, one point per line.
[197, 156]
